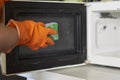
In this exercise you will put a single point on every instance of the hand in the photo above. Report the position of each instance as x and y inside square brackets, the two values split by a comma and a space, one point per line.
[33, 34]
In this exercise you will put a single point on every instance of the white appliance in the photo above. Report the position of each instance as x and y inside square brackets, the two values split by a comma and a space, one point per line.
[103, 33]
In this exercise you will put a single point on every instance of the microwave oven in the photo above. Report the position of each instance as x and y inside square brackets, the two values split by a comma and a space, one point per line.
[88, 33]
[69, 49]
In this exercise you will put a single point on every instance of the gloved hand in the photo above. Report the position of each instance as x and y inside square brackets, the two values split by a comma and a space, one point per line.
[2, 3]
[32, 34]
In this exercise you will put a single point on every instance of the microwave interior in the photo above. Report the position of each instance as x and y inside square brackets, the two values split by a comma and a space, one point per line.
[69, 49]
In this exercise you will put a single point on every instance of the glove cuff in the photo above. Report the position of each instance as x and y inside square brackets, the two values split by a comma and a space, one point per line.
[22, 33]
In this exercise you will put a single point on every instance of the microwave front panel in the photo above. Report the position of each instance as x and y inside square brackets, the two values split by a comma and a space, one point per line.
[70, 49]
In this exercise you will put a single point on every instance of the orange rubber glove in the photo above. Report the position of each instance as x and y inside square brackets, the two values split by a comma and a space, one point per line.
[1, 8]
[32, 34]
[2, 3]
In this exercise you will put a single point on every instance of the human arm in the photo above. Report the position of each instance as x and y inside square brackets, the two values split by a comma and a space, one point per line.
[29, 33]
[8, 38]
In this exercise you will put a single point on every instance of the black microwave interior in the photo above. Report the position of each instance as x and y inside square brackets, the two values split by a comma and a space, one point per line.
[68, 50]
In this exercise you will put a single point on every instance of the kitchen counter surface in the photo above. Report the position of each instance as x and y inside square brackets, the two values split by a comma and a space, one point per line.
[85, 72]
[91, 72]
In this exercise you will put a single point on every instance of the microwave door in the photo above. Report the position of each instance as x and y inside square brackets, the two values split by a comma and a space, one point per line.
[69, 49]
[103, 33]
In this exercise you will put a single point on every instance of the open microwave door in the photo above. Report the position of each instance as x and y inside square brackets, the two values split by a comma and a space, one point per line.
[103, 30]
[69, 50]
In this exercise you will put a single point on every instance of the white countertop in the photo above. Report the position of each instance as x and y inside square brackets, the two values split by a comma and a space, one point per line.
[44, 75]
[86, 72]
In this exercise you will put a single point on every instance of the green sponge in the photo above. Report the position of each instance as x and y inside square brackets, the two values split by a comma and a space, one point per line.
[53, 25]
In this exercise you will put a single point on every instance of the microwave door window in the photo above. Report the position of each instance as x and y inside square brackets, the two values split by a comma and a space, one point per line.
[64, 44]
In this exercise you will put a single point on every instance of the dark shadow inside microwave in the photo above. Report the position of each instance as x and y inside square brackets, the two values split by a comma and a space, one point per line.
[69, 49]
